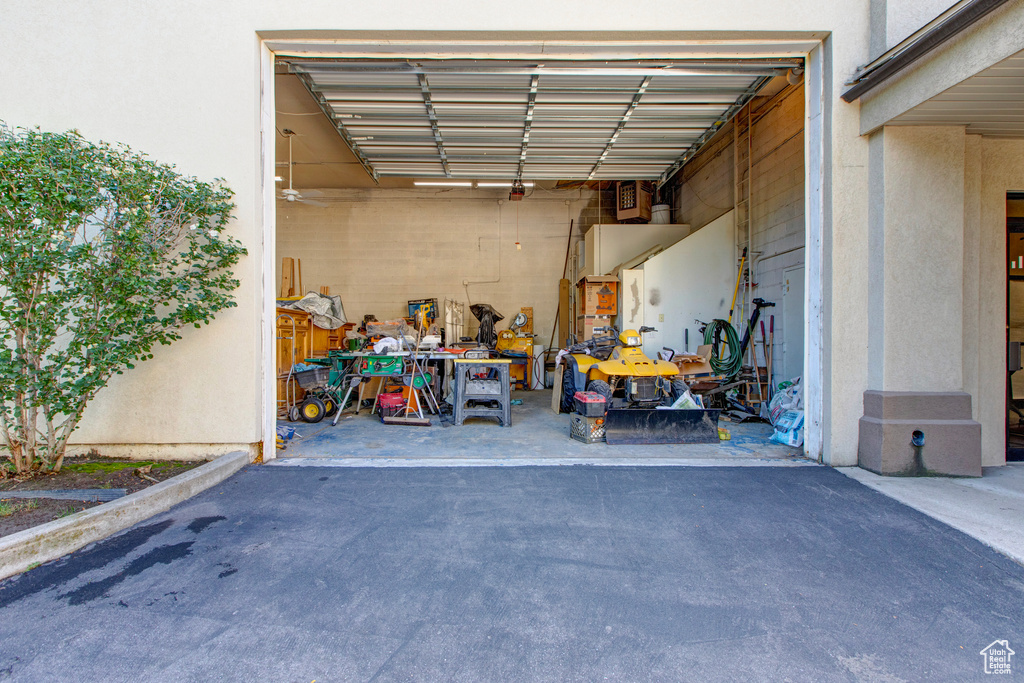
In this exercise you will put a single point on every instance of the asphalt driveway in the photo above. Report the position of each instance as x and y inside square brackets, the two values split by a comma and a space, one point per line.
[520, 574]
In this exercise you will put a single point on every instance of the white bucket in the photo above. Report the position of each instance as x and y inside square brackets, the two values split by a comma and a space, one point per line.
[537, 370]
[661, 213]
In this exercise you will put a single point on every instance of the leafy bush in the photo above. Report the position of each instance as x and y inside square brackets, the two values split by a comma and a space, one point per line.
[103, 253]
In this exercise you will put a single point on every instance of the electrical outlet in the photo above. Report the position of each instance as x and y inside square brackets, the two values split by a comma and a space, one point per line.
[661, 317]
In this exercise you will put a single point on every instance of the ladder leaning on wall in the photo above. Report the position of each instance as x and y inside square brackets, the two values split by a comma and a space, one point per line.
[742, 152]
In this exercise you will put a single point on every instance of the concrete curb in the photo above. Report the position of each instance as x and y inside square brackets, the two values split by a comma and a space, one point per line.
[55, 539]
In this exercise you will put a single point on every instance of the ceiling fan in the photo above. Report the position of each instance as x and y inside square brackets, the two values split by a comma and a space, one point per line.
[291, 194]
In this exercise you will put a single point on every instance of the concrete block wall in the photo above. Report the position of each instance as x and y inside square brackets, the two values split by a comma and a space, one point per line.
[599, 207]
[378, 249]
[777, 212]
[705, 190]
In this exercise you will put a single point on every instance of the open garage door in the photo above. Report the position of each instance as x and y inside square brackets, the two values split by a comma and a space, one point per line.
[555, 121]
[453, 139]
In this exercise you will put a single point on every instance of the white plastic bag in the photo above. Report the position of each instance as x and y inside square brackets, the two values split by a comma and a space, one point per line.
[687, 401]
[386, 345]
[790, 398]
[789, 429]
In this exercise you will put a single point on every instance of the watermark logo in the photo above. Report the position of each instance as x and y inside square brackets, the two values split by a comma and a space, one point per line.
[997, 657]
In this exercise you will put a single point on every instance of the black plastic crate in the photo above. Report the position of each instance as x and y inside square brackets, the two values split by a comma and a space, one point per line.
[586, 429]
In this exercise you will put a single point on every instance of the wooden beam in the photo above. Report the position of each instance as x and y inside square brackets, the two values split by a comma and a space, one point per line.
[564, 313]
[287, 277]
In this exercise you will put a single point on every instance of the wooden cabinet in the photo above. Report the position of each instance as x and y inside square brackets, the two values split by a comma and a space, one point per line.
[297, 342]
[323, 340]
[293, 345]
[294, 342]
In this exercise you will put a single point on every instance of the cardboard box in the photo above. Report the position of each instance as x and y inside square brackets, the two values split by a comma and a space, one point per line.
[586, 324]
[528, 312]
[691, 364]
[599, 295]
[428, 306]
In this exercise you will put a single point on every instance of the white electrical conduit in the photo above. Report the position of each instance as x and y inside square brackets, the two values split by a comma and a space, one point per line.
[467, 283]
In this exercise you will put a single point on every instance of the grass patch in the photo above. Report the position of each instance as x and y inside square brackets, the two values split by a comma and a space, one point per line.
[8, 508]
[92, 467]
[66, 512]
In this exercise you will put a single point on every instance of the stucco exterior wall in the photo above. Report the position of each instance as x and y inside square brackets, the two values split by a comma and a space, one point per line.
[938, 267]
[918, 260]
[181, 81]
[845, 283]
[892, 21]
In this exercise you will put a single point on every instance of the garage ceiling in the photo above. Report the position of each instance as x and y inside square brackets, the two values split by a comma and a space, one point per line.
[562, 120]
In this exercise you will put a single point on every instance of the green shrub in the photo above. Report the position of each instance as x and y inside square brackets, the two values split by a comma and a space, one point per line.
[103, 254]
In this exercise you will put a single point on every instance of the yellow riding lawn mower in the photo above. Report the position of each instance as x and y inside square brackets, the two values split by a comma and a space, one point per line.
[637, 391]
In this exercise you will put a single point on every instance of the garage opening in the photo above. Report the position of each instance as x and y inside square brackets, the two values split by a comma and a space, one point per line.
[468, 243]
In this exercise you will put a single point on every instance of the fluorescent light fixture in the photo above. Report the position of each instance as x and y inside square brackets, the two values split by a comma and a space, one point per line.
[508, 184]
[442, 183]
[278, 179]
[466, 183]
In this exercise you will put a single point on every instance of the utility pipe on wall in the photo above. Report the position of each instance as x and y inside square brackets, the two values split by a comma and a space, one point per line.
[467, 283]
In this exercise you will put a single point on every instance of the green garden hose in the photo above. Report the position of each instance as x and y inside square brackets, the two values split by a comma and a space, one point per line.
[729, 366]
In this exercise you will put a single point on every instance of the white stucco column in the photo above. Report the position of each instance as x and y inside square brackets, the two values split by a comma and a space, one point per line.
[916, 262]
[917, 417]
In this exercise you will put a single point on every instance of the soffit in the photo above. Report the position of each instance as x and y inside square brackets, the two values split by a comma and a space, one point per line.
[989, 103]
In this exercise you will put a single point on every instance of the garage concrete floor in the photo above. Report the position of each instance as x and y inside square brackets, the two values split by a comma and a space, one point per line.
[520, 574]
[536, 434]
